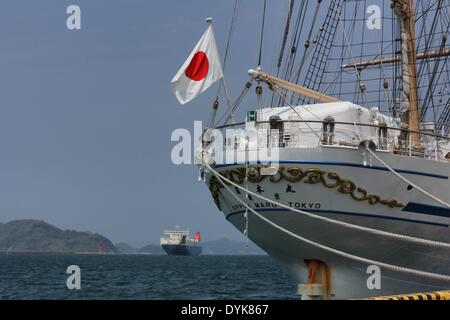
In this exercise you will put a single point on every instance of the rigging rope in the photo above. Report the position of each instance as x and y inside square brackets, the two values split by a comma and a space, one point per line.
[414, 272]
[231, 32]
[307, 43]
[284, 42]
[428, 44]
[285, 35]
[225, 59]
[347, 41]
[382, 68]
[237, 103]
[262, 33]
[295, 40]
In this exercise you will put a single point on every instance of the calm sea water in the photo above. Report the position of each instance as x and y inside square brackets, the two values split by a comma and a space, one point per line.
[145, 277]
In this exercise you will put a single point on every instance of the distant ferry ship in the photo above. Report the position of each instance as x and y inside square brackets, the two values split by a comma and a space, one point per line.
[178, 243]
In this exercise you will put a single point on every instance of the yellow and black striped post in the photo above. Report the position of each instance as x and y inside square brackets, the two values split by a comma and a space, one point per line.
[438, 295]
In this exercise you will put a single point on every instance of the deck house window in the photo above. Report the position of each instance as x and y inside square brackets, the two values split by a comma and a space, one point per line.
[382, 137]
[328, 130]
[276, 131]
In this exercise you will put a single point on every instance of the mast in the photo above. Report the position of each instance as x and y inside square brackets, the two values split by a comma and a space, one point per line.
[405, 11]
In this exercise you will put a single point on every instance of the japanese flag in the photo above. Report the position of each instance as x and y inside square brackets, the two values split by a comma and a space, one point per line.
[200, 70]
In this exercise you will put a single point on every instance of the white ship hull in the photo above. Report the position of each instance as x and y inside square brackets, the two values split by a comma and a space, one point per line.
[398, 209]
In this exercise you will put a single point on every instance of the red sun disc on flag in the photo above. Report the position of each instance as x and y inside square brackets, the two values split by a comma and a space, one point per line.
[198, 67]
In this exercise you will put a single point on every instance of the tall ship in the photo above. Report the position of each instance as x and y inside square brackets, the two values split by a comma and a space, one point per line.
[355, 104]
[179, 243]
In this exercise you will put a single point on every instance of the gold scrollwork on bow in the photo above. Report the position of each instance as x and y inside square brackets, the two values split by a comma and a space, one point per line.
[296, 175]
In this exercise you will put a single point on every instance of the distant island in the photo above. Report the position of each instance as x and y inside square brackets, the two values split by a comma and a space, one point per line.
[151, 249]
[21, 236]
[36, 236]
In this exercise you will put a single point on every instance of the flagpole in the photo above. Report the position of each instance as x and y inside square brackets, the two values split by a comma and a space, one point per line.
[224, 84]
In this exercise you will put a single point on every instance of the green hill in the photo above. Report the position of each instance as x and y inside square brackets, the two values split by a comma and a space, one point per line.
[125, 248]
[39, 236]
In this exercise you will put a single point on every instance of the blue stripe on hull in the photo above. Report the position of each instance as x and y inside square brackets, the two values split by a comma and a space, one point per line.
[181, 250]
[366, 215]
[348, 164]
[427, 209]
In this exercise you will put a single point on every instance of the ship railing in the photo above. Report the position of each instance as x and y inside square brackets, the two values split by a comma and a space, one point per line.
[311, 134]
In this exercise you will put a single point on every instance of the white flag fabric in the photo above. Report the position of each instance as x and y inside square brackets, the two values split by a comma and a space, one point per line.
[200, 70]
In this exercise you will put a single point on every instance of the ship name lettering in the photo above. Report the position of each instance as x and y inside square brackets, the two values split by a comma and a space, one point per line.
[305, 205]
[297, 205]
[265, 205]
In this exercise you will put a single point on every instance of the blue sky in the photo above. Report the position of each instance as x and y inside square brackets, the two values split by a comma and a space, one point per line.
[86, 116]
